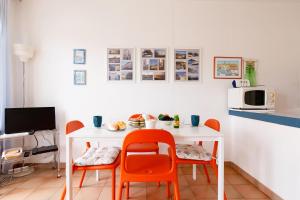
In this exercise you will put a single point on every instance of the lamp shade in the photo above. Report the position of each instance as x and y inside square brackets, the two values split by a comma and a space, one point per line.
[24, 52]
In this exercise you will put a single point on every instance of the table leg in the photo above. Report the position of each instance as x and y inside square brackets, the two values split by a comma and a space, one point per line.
[97, 171]
[69, 195]
[221, 169]
[194, 172]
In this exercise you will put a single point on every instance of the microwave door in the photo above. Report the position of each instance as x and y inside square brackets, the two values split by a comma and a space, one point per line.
[254, 99]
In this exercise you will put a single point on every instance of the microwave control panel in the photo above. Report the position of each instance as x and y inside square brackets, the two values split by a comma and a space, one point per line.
[271, 98]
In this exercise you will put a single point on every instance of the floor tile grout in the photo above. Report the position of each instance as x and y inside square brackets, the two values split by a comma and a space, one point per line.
[236, 186]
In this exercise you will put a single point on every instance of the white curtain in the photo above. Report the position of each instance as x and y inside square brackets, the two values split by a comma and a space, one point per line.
[3, 60]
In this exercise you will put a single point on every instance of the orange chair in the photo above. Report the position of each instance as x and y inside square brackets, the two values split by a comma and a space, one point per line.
[73, 126]
[214, 124]
[145, 147]
[149, 167]
[142, 147]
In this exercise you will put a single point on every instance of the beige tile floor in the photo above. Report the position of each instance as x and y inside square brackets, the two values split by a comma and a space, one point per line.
[43, 185]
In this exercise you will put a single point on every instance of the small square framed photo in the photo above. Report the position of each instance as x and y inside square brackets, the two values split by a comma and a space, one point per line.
[79, 56]
[228, 67]
[79, 77]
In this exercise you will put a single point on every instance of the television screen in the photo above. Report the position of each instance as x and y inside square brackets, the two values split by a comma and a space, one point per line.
[29, 119]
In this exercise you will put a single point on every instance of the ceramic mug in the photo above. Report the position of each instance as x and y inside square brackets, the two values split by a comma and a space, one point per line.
[97, 121]
[195, 120]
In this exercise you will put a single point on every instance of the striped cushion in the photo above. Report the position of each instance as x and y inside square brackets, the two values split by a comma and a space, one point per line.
[192, 152]
[98, 156]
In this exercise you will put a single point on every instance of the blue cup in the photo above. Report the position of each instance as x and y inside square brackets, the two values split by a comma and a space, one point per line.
[195, 120]
[97, 121]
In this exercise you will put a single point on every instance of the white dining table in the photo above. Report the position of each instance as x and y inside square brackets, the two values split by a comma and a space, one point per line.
[186, 133]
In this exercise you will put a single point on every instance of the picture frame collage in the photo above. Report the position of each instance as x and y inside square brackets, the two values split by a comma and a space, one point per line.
[153, 62]
[120, 63]
[153, 65]
[187, 64]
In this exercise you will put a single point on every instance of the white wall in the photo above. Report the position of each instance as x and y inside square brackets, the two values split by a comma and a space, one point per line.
[11, 72]
[265, 30]
[12, 37]
[269, 152]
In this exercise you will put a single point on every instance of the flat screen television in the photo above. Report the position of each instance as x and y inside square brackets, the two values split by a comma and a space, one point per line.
[29, 119]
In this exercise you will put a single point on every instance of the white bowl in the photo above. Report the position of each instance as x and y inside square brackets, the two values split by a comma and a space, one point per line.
[150, 124]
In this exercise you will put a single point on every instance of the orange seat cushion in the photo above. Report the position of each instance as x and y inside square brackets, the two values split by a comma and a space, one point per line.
[143, 147]
[148, 164]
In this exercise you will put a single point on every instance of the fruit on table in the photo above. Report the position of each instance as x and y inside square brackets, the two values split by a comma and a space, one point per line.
[137, 119]
[119, 125]
[160, 116]
[149, 117]
[165, 117]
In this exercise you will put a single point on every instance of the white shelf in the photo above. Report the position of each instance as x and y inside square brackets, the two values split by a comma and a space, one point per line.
[21, 158]
[14, 135]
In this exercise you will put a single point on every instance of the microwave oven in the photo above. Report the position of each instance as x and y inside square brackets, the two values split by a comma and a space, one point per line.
[251, 98]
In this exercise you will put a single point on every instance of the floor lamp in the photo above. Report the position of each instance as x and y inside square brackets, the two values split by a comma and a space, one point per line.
[25, 53]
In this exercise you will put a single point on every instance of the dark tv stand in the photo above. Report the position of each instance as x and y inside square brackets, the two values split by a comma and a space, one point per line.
[29, 153]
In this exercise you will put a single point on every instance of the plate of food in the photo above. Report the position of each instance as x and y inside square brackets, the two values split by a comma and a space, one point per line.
[166, 118]
[137, 121]
[116, 126]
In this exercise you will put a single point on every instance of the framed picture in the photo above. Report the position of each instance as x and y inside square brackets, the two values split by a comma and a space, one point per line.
[79, 56]
[228, 67]
[79, 77]
[186, 64]
[153, 64]
[120, 64]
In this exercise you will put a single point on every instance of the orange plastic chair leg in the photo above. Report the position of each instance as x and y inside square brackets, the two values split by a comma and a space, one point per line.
[120, 190]
[113, 184]
[157, 152]
[206, 173]
[82, 178]
[225, 197]
[168, 190]
[176, 190]
[127, 190]
[63, 194]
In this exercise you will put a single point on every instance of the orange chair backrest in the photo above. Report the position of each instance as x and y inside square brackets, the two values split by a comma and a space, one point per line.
[214, 124]
[74, 126]
[149, 136]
